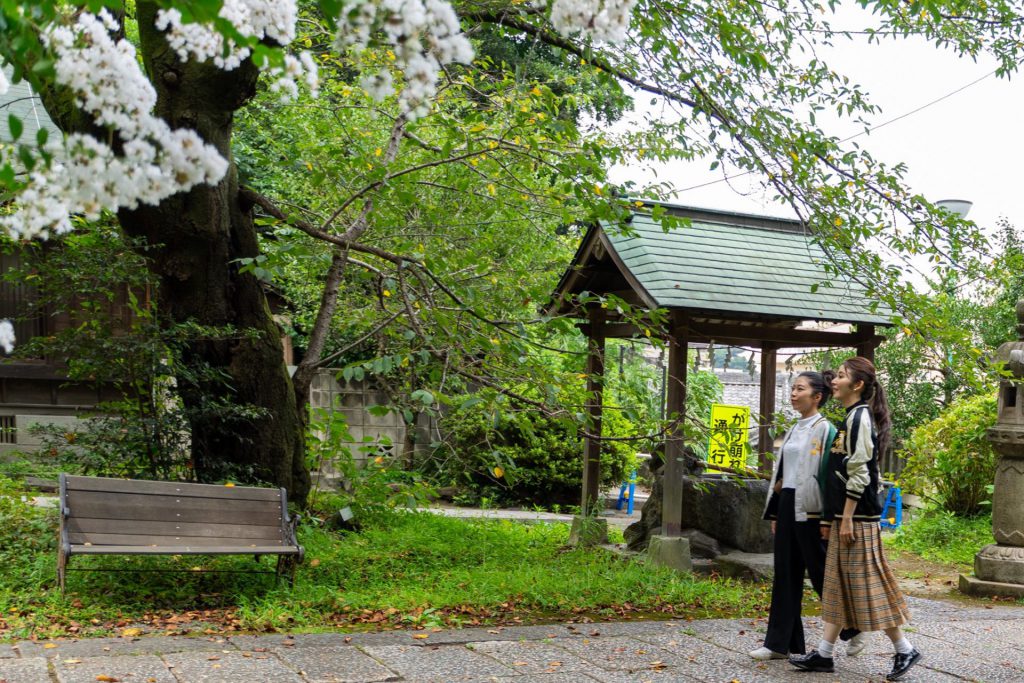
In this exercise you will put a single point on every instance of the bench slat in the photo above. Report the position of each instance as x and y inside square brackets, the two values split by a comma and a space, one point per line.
[170, 488]
[103, 505]
[182, 550]
[87, 525]
[242, 544]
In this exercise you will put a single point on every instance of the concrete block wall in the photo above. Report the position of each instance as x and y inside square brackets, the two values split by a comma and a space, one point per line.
[371, 435]
[16, 434]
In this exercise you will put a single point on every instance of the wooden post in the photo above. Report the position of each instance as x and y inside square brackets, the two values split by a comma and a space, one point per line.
[866, 348]
[765, 443]
[672, 483]
[595, 385]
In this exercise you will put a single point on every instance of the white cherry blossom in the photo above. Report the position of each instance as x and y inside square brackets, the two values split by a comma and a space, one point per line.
[86, 175]
[7, 336]
[602, 20]
[154, 161]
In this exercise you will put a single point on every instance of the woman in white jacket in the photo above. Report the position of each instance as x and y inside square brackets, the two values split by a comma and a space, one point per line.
[794, 507]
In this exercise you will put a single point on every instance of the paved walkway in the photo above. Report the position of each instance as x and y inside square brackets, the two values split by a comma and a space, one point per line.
[959, 643]
[615, 519]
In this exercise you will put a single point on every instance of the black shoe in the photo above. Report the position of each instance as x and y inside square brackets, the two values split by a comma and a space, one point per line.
[812, 661]
[901, 664]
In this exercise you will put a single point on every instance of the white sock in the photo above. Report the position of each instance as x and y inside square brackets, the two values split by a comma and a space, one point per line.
[825, 648]
[903, 646]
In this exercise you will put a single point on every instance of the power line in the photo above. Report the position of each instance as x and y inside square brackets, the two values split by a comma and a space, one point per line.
[857, 135]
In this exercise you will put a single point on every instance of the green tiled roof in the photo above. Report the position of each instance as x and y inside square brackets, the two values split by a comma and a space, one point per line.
[25, 104]
[718, 266]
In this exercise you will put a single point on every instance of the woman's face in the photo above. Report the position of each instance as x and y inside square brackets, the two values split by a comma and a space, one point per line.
[802, 397]
[845, 389]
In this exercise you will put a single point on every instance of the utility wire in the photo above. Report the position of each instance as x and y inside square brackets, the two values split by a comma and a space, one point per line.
[856, 135]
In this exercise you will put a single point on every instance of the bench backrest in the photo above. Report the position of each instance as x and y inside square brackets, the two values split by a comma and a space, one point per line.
[127, 512]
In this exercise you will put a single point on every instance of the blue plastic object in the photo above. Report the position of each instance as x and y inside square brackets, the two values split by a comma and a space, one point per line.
[892, 509]
[627, 497]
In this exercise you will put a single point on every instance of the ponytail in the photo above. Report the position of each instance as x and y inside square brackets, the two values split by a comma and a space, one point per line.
[860, 369]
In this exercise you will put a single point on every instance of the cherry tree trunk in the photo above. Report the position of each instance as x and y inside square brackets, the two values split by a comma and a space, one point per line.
[194, 240]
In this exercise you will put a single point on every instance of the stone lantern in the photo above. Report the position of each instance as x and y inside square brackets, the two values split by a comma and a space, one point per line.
[999, 567]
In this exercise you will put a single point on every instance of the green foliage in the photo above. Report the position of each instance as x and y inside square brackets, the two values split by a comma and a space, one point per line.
[525, 456]
[942, 536]
[371, 479]
[999, 321]
[26, 530]
[950, 459]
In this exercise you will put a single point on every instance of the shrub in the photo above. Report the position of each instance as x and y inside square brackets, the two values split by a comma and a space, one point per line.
[950, 460]
[526, 457]
[941, 536]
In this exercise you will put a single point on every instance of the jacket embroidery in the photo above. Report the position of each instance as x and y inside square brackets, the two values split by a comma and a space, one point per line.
[839, 444]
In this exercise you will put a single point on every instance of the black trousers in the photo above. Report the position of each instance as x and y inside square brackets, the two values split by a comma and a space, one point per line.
[799, 549]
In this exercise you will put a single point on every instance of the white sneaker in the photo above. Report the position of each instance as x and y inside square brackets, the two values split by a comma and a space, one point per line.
[763, 653]
[857, 644]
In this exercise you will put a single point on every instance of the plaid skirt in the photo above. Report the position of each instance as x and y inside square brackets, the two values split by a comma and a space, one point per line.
[860, 590]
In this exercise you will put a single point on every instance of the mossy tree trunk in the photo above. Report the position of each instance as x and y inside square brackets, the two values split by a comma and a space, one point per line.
[195, 239]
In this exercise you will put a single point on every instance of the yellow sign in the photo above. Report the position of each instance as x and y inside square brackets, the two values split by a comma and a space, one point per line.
[730, 436]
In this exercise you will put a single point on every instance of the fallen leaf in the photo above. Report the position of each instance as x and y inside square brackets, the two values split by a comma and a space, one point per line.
[421, 636]
[131, 632]
[49, 646]
[72, 661]
[315, 562]
[520, 663]
[107, 679]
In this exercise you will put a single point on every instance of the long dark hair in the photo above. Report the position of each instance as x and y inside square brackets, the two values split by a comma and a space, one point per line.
[821, 383]
[860, 369]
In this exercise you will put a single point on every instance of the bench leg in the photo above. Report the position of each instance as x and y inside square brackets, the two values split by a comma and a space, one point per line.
[286, 566]
[62, 563]
[281, 568]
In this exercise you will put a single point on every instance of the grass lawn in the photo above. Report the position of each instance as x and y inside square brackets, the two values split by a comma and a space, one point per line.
[401, 570]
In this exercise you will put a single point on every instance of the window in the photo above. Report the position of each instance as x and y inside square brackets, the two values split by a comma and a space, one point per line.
[16, 297]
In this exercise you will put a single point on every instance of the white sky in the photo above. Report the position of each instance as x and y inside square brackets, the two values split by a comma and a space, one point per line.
[968, 146]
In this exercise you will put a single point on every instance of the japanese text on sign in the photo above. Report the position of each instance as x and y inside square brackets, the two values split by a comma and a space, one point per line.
[730, 437]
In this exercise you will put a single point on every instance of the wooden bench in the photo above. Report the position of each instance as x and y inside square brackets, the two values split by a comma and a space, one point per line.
[101, 516]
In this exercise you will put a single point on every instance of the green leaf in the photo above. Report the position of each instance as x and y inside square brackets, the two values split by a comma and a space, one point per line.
[15, 126]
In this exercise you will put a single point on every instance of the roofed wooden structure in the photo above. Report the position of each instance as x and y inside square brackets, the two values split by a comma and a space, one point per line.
[727, 278]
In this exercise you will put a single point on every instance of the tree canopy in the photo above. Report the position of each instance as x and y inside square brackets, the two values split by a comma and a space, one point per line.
[415, 170]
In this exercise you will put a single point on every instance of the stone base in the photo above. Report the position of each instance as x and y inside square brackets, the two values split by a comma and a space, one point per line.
[972, 585]
[1000, 564]
[588, 531]
[670, 551]
[750, 566]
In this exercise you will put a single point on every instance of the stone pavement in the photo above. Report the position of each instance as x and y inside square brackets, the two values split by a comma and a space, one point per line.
[615, 519]
[959, 643]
